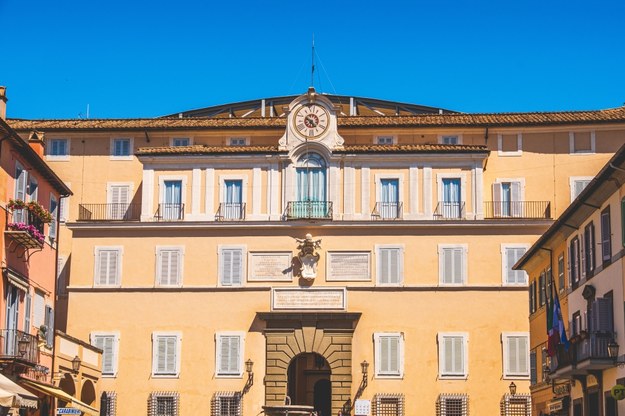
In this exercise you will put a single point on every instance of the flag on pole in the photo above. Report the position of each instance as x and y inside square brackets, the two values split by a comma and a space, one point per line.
[557, 332]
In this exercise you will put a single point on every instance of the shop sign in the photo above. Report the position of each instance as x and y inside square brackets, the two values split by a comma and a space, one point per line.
[560, 390]
[555, 405]
[67, 411]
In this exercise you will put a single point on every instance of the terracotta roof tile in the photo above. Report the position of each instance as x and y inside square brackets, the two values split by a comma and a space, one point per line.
[200, 149]
[419, 120]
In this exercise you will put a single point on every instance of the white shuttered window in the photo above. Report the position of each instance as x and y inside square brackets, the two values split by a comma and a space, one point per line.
[108, 266]
[516, 354]
[169, 266]
[452, 264]
[390, 265]
[388, 354]
[452, 355]
[229, 357]
[108, 343]
[165, 354]
[231, 266]
[510, 255]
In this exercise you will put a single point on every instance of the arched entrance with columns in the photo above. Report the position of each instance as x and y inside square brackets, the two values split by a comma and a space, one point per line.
[289, 335]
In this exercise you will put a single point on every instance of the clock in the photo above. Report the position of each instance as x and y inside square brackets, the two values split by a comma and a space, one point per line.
[311, 120]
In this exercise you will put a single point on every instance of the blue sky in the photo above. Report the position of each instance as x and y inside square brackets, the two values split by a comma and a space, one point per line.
[144, 59]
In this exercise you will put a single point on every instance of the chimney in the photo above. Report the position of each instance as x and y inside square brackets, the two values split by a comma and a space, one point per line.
[35, 140]
[3, 102]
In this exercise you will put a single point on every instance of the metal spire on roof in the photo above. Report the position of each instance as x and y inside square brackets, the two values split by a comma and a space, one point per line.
[312, 71]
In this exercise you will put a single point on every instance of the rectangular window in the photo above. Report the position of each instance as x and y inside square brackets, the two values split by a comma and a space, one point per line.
[578, 184]
[229, 348]
[390, 265]
[237, 141]
[606, 236]
[108, 266]
[574, 260]
[533, 369]
[385, 140]
[121, 148]
[27, 312]
[508, 199]
[52, 227]
[388, 354]
[589, 249]
[108, 403]
[510, 256]
[227, 403]
[165, 354]
[58, 149]
[40, 309]
[108, 343]
[169, 266]
[515, 355]
[452, 355]
[21, 187]
[561, 272]
[510, 144]
[450, 139]
[582, 142]
[388, 405]
[118, 197]
[231, 266]
[49, 324]
[180, 141]
[33, 188]
[452, 405]
[452, 264]
[164, 404]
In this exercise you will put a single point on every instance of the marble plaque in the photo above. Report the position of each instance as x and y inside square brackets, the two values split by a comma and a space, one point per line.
[311, 298]
[270, 266]
[348, 266]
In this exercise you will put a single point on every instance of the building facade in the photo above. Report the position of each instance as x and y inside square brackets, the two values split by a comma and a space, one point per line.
[351, 255]
[585, 246]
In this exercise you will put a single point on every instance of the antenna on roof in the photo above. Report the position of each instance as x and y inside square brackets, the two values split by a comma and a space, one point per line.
[312, 69]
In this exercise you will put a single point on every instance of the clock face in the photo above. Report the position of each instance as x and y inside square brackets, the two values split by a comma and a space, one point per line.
[311, 120]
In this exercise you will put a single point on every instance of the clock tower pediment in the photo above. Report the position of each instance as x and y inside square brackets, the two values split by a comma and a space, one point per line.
[311, 118]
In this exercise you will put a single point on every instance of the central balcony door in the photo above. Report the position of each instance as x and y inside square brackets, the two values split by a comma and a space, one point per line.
[311, 187]
[233, 199]
[451, 198]
[389, 198]
[172, 204]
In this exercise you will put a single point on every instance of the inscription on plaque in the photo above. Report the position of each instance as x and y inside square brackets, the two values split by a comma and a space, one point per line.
[349, 266]
[294, 299]
[270, 266]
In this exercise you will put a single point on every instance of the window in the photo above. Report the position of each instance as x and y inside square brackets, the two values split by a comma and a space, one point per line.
[515, 354]
[388, 405]
[166, 354]
[227, 403]
[508, 198]
[517, 405]
[533, 369]
[21, 185]
[385, 140]
[229, 354]
[232, 200]
[574, 261]
[108, 403]
[33, 188]
[52, 227]
[118, 197]
[606, 236]
[452, 264]
[510, 144]
[589, 249]
[561, 272]
[108, 266]
[532, 296]
[109, 344]
[452, 355]
[390, 265]
[28, 300]
[172, 194]
[40, 309]
[164, 404]
[49, 324]
[542, 289]
[64, 206]
[231, 267]
[121, 149]
[510, 255]
[180, 141]
[58, 149]
[452, 405]
[169, 266]
[582, 142]
[389, 351]
[238, 141]
[577, 185]
[389, 195]
[450, 139]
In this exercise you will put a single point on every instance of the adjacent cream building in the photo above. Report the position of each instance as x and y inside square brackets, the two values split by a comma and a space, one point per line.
[354, 255]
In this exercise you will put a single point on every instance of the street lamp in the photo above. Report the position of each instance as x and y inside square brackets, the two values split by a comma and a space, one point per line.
[249, 364]
[76, 364]
[22, 345]
[512, 388]
[365, 372]
[613, 353]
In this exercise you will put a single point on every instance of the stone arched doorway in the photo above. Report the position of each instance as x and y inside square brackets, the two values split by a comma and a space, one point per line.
[289, 335]
[308, 382]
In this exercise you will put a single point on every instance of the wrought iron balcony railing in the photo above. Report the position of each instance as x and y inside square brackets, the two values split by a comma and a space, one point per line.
[517, 209]
[109, 212]
[18, 345]
[25, 228]
[587, 350]
[387, 211]
[449, 211]
[169, 212]
[297, 210]
[230, 211]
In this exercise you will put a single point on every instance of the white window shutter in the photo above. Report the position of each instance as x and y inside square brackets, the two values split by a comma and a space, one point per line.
[393, 355]
[169, 267]
[384, 266]
[458, 276]
[27, 312]
[453, 355]
[384, 354]
[229, 354]
[231, 266]
[38, 317]
[107, 344]
[512, 255]
[497, 203]
[458, 356]
[234, 354]
[170, 358]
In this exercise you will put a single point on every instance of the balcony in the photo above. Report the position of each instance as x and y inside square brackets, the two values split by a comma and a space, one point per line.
[169, 212]
[449, 211]
[18, 348]
[587, 352]
[25, 228]
[517, 209]
[230, 211]
[308, 210]
[387, 211]
[109, 212]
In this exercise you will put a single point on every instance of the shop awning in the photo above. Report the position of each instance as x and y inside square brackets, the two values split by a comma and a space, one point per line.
[60, 394]
[13, 395]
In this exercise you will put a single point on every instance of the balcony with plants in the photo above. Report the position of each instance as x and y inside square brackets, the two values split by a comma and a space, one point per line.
[25, 222]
